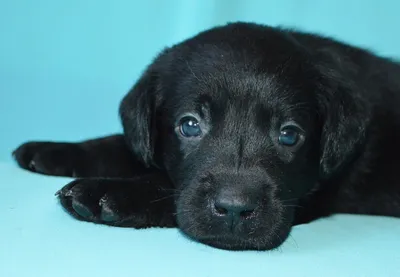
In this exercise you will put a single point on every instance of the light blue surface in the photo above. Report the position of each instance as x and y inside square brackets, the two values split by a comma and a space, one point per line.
[37, 238]
[65, 65]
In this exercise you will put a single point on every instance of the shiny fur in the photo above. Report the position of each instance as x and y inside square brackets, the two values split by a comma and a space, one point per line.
[243, 81]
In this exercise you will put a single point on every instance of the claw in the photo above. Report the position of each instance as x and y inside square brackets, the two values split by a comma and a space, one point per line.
[107, 213]
[32, 165]
[68, 193]
[103, 200]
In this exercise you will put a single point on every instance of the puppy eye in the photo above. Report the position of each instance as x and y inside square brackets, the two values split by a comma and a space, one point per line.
[289, 136]
[190, 127]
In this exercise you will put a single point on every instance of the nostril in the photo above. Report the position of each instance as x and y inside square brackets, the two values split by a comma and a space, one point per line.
[220, 210]
[231, 208]
[246, 214]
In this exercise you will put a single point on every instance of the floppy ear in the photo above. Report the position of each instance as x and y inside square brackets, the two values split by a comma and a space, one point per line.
[138, 113]
[346, 116]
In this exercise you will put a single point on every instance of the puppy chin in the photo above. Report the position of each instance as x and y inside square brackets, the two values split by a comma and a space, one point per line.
[249, 243]
[241, 242]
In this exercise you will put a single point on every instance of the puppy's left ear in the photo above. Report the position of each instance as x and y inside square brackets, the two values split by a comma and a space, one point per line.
[138, 112]
[346, 118]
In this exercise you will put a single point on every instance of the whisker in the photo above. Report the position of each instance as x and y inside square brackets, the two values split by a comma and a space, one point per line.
[295, 206]
[183, 212]
[162, 198]
[288, 200]
[191, 70]
[295, 242]
[167, 189]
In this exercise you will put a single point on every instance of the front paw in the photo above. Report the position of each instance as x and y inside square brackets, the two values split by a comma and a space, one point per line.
[117, 204]
[50, 158]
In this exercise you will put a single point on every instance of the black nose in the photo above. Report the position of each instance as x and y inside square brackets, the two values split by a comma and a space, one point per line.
[233, 208]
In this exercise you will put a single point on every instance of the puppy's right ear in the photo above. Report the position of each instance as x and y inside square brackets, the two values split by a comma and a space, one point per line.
[138, 113]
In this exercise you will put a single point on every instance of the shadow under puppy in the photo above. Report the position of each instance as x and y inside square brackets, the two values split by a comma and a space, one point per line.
[236, 135]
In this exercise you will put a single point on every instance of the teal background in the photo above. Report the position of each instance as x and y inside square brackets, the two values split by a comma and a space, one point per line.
[65, 65]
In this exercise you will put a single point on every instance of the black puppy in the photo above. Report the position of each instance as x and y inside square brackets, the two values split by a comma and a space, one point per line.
[236, 135]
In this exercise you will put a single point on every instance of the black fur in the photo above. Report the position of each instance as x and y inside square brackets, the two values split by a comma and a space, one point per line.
[235, 186]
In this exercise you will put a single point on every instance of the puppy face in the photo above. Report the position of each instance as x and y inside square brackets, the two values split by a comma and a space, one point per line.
[235, 117]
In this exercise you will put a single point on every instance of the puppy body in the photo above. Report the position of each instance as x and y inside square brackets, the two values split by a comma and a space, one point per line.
[239, 133]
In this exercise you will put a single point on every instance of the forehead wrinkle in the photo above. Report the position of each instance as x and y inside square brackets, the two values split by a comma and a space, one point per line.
[231, 85]
[208, 62]
[240, 126]
[240, 114]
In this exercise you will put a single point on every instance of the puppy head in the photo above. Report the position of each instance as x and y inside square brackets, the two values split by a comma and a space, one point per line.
[245, 122]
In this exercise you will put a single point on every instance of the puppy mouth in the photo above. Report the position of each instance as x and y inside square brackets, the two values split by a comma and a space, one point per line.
[241, 238]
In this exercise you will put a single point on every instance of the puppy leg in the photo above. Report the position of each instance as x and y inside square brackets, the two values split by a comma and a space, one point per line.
[140, 202]
[102, 157]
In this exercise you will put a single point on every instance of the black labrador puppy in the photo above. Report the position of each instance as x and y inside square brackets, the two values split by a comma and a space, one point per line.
[236, 135]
